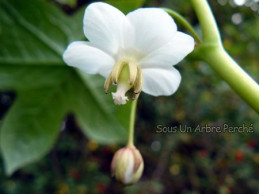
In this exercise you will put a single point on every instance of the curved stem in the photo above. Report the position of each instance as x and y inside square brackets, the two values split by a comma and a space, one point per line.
[233, 74]
[132, 124]
[212, 52]
[184, 22]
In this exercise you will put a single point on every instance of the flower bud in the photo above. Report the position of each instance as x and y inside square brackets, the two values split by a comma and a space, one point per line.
[127, 165]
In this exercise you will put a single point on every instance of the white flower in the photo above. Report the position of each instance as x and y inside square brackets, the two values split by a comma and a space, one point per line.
[137, 51]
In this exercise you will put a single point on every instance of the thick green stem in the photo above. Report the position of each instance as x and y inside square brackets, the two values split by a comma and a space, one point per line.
[132, 124]
[207, 21]
[235, 76]
[212, 52]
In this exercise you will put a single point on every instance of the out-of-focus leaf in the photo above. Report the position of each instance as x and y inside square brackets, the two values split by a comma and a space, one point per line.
[31, 126]
[19, 78]
[33, 36]
[30, 35]
[126, 5]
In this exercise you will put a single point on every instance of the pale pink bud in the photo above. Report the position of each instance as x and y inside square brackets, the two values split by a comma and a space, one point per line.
[127, 165]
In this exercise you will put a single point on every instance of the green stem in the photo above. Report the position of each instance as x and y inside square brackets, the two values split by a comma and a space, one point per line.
[233, 74]
[207, 21]
[212, 52]
[184, 22]
[132, 124]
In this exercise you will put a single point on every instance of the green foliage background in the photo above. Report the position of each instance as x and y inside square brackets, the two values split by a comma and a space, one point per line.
[38, 92]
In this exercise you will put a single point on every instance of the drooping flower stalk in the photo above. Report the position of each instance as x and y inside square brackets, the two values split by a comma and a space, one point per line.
[179, 18]
[131, 124]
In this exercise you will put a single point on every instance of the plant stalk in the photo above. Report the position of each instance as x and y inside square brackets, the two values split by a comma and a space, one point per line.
[184, 23]
[212, 52]
[132, 124]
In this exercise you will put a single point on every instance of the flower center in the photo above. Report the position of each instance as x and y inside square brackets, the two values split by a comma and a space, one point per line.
[127, 75]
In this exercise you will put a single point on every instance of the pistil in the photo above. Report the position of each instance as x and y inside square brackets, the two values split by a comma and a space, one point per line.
[128, 77]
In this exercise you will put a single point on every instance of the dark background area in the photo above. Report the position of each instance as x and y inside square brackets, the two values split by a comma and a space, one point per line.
[175, 162]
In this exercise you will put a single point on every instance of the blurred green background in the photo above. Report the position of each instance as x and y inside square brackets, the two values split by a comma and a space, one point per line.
[174, 162]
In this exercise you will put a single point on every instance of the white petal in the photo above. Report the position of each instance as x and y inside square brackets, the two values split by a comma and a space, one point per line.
[107, 28]
[91, 60]
[105, 70]
[129, 170]
[171, 53]
[161, 81]
[153, 28]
